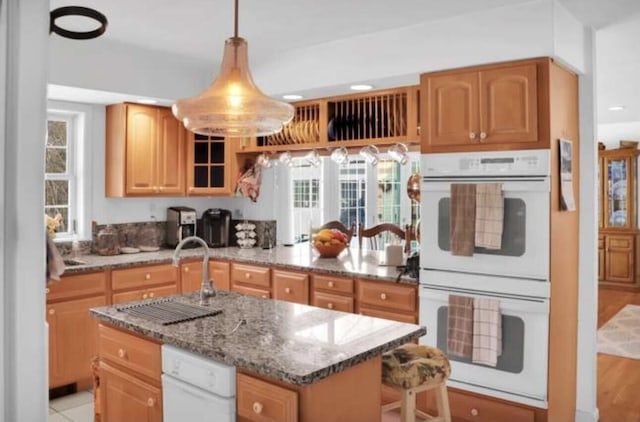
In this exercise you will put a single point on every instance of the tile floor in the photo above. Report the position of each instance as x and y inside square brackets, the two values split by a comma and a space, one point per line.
[72, 408]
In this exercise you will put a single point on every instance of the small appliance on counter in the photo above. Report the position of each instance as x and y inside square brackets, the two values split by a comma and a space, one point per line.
[181, 223]
[216, 227]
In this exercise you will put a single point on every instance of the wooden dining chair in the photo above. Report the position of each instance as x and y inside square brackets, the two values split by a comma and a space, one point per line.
[338, 225]
[372, 234]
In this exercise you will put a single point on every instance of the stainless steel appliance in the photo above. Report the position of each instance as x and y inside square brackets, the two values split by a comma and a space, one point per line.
[517, 274]
[181, 223]
[196, 389]
[216, 227]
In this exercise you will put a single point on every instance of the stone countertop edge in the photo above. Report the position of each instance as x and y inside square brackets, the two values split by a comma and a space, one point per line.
[356, 263]
[184, 338]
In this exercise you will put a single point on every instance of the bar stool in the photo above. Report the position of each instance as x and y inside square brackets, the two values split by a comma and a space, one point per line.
[411, 369]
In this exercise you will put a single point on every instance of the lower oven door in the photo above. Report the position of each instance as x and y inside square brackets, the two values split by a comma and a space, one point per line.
[521, 371]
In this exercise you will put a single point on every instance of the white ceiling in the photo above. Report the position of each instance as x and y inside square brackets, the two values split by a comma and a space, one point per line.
[196, 29]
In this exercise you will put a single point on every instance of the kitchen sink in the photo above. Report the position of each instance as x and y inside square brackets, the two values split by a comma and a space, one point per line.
[167, 311]
[73, 262]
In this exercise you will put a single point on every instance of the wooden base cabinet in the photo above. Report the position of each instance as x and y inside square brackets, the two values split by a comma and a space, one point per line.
[125, 398]
[73, 333]
[617, 260]
[471, 407]
[191, 275]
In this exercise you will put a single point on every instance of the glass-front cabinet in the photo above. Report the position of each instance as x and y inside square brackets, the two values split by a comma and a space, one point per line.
[618, 189]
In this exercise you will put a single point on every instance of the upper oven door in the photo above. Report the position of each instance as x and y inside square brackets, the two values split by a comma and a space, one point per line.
[525, 237]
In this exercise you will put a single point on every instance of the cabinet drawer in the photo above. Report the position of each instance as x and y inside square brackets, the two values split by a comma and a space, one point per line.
[135, 353]
[387, 295]
[265, 294]
[77, 285]
[290, 286]
[333, 302]
[249, 274]
[258, 400]
[475, 408]
[144, 294]
[143, 276]
[394, 316]
[332, 284]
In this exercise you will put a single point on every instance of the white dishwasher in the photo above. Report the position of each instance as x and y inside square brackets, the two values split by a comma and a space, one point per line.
[196, 389]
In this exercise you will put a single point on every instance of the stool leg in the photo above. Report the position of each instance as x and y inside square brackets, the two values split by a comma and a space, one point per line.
[408, 406]
[442, 400]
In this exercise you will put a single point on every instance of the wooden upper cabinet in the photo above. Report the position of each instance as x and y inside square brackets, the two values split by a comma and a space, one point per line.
[509, 105]
[145, 152]
[452, 108]
[486, 108]
[209, 169]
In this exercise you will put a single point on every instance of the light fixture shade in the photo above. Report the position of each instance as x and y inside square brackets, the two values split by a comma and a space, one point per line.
[233, 106]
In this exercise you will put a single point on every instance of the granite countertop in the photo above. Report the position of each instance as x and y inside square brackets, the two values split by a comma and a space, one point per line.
[352, 262]
[297, 344]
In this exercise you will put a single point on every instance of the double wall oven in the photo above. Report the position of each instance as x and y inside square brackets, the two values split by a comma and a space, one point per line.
[517, 274]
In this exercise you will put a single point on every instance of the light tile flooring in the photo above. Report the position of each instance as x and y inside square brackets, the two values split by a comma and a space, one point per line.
[72, 408]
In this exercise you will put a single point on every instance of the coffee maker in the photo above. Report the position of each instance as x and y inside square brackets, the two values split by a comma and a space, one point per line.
[181, 223]
[216, 227]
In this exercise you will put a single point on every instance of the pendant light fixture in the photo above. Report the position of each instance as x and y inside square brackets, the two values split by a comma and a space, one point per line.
[233, 106]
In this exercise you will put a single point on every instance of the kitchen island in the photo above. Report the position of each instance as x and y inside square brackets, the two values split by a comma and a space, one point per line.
[330, 361]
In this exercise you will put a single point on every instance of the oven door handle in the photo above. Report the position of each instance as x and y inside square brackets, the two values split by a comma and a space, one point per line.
[508, 185]
[507, 302]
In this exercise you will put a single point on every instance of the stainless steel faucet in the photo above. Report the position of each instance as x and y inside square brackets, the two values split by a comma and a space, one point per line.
[207, 288]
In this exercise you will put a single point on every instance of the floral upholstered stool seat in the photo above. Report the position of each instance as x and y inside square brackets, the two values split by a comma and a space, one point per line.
[413, 368]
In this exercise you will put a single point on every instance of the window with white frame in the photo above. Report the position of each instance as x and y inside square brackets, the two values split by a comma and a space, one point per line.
[61, 182]
[305, 185]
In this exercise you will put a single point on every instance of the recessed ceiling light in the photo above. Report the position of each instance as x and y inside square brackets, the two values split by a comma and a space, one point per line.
[616, 108]
[146, 101]
[361, 87]
[292, 97]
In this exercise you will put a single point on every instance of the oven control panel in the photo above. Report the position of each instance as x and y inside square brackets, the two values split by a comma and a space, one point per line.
[492, 163]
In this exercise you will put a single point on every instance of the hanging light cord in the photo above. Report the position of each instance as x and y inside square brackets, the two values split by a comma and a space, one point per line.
[235, 21]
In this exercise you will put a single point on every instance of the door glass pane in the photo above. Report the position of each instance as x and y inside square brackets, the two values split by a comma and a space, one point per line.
[217, 177]
[56, 133]
[56, 192]
[217, 152]
[513, 230]
[617, 192]
[512, 357]
[200, 176]
[56, 160]
[201, 152]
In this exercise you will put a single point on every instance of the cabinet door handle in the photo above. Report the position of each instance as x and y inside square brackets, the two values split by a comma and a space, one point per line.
[52, 311]
[247, 275]
[151, 294]
[264, 296]
[147, 276]
[122, 354]
[257, 407]
[46, 290]
[383, 296]
[151, 402]
[483, 136]
[330, 284]
[474, 412]
[472, 135]
[330, 305]
[186, 269]
[287, 290]
[144, 296]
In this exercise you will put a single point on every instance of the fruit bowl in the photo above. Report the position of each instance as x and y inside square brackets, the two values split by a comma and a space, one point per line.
[329, 250]
[329, 242]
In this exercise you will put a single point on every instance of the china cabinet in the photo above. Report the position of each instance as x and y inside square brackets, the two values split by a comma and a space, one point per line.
[617, 220]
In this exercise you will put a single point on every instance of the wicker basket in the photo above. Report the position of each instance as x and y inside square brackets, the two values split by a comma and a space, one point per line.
[628, 144]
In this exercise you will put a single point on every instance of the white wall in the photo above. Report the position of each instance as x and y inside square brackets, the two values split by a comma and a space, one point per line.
[24, 382]
[105, 65]
[569, 39]
[612, 133]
